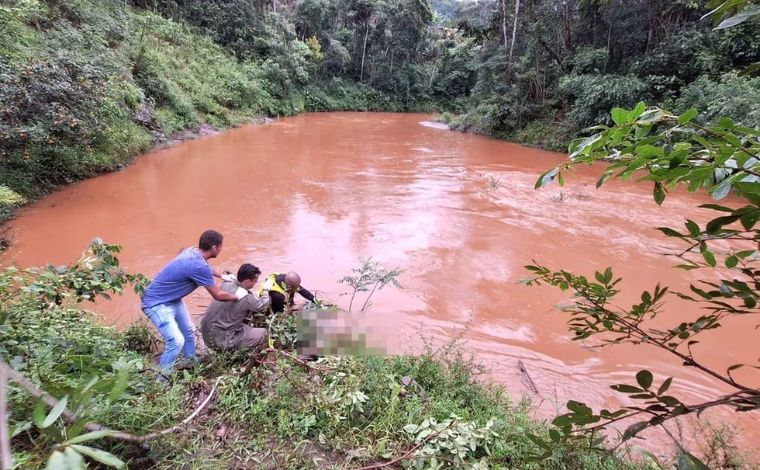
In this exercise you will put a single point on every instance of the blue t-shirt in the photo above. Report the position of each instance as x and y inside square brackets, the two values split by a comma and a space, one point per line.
[178, 278]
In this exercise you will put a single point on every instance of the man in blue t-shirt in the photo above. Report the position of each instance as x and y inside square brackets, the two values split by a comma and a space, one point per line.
[162, 300]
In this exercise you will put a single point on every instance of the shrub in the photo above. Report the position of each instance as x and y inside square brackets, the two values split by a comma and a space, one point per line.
[9, 201]
[49, 101]
[547, 133]
[489, 117]
[731, 96]
[140, 338]
[592, 96]
[589, 60]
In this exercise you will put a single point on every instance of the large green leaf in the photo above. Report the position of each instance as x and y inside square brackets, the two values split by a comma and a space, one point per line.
[120, 384]
[69, 459]
[38, 415]
[739, 18]
[620, 116]
[91, 436]
[688, 116]
[55, 413]
[659, 193]
[106, 458]
[644, 379]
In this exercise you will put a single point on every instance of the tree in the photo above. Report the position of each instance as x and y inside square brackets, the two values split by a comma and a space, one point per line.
[514, 31]
[671, 151]
[720, 157]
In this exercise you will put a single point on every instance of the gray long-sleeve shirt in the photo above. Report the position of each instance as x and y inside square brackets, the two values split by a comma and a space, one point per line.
[222, 324]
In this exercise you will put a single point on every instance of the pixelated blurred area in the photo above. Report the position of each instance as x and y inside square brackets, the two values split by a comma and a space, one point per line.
[326, 331]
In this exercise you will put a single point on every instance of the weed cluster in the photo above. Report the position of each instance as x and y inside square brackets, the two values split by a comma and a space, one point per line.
[427, 410]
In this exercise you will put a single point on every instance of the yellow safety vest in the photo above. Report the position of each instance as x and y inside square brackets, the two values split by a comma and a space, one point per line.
[272, 285]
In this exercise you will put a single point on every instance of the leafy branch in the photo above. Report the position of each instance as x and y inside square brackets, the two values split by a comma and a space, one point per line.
[669, 151]
[672, 150]
[71, 448]
[95, 274]
[371, 276]
[593, 314]
[25, 293]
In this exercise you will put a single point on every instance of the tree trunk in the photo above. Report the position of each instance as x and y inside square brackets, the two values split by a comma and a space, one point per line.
[609, 48]
[514, 32]
[364, 51]
[504, 21]
[650, 28]
[6, 457]
[552, 53]
[568, 26]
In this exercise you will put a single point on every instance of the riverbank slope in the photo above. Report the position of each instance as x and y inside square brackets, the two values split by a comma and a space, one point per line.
[269, 410]
[87, 86]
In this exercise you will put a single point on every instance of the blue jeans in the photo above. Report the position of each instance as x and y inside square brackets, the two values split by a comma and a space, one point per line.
[173, 322]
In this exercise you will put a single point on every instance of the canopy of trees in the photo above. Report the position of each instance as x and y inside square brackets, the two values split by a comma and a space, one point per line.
[506, 65]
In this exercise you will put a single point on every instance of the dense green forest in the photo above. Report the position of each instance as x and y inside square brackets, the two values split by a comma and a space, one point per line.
[87, 85]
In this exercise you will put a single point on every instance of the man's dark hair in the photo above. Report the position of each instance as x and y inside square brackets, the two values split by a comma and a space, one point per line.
[247, 272]
[209, 238]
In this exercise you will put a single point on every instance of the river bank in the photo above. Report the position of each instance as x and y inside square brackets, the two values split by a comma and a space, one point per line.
[338, 412]
[266, 410]
[11, 202]
[86, 87]
[451, 203]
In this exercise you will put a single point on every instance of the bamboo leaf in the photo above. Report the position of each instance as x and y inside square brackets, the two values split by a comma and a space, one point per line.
[91, 436]
[686, 461]
[739, 18]
[665, 386]
[55, 413]
[106, 458]
[634, 429]
[687, 116]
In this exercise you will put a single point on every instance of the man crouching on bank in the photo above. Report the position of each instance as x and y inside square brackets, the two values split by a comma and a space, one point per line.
[222, 325]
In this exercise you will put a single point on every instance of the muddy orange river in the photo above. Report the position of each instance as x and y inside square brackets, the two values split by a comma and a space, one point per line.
[458, 213]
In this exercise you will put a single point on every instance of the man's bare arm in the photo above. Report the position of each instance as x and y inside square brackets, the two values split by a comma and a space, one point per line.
[216, 273]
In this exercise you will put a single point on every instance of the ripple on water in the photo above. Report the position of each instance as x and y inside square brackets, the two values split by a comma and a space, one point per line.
[458, 213]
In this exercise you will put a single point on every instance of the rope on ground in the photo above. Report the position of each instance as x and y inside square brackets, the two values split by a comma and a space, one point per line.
[322, 368]
[256, 360]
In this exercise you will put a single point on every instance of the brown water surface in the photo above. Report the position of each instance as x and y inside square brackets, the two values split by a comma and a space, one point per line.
[318, 192]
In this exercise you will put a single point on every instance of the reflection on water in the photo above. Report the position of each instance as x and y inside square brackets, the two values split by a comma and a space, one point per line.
[319, 192]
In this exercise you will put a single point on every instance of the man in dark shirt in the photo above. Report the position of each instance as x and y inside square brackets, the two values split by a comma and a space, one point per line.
[282, 288]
